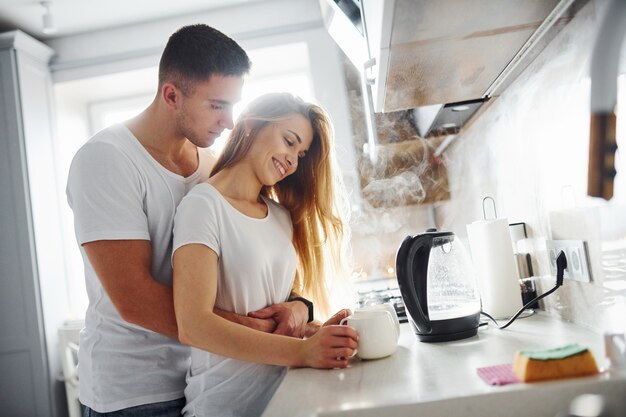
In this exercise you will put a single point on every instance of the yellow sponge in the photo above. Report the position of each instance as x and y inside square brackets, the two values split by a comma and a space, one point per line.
[562, 362]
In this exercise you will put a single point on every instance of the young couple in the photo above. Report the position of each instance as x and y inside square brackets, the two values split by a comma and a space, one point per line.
[181, 250]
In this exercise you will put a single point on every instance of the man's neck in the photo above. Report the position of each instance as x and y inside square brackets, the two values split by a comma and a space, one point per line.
[157, 133]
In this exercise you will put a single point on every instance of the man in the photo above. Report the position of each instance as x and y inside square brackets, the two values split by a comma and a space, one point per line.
[123, 187]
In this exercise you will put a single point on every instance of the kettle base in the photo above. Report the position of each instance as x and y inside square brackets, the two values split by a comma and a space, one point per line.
[448, 330]
[447, 337]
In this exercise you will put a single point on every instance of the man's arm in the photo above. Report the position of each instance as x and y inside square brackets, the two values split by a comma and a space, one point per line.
[123, 267]
[265, 325]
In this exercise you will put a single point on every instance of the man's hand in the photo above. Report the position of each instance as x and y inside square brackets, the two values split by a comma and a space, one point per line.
[264, 325]
[314, 326]
[291, 317]
[267, 325]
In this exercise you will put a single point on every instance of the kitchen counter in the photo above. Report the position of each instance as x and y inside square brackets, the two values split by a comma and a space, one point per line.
[440, 378]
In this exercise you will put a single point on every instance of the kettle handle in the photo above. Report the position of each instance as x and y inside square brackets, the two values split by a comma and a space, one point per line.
[413, 288]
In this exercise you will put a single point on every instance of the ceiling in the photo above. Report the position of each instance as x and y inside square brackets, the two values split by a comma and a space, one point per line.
[78, 16]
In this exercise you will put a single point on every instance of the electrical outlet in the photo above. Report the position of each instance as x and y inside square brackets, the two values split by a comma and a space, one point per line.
[577, 258]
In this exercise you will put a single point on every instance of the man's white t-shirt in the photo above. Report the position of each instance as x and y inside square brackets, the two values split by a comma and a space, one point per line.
[118, 191]
[256, 268]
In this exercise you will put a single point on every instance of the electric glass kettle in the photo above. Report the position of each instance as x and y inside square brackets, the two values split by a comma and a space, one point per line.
[438, 287]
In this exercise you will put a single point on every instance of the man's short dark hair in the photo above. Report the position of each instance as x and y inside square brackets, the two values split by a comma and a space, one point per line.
[194, 53]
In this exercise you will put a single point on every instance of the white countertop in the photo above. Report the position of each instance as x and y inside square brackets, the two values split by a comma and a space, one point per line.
[440, 378]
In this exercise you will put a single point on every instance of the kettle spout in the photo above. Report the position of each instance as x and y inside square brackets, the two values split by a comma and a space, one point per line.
[604, 69]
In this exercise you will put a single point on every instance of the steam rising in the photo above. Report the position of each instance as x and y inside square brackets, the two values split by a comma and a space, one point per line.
[396, 190]
[406, 173]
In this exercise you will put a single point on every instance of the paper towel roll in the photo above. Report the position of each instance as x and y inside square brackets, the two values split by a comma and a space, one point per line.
[492, 255]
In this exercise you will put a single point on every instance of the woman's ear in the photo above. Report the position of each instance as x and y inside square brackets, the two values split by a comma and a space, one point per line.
[247, 127]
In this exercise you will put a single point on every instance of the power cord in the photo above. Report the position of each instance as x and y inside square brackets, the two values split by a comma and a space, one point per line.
[561, 264]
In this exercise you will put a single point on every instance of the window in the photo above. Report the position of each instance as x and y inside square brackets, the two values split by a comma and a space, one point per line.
[276, 68]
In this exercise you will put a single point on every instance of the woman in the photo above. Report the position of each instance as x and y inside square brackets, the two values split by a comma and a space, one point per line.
[243, 240]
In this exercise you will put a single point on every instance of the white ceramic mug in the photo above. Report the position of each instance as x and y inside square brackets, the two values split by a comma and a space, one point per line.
[377, 333]
[387, 307]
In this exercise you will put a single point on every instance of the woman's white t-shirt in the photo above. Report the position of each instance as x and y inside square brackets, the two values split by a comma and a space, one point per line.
[256, 268]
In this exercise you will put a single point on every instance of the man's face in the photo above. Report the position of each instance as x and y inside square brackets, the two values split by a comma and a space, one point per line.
[208, 109]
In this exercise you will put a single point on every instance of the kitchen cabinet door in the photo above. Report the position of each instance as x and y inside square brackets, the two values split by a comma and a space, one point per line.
[25, 382]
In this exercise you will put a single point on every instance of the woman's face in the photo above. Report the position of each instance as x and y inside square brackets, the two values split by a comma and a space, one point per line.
[278, 147]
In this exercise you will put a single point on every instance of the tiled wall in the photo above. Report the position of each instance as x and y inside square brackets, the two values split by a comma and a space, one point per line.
[528, 150]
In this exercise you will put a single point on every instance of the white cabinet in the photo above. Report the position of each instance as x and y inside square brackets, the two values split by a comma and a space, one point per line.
[28, 203]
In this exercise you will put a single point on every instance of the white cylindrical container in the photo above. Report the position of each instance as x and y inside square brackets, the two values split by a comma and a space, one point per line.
[494, 262]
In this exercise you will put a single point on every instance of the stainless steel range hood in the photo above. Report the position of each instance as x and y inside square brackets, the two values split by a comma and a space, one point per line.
[441, 56]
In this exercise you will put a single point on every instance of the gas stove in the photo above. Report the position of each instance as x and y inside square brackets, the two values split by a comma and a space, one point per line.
[389, 294]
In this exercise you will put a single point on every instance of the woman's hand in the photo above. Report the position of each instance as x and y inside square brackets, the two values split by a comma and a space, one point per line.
[330, 347]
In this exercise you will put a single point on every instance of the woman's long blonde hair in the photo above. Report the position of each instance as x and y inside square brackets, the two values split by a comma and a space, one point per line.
[308, 194]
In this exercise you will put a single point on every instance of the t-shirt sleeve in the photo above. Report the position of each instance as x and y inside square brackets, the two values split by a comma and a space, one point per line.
[105, 192]
[196, 222]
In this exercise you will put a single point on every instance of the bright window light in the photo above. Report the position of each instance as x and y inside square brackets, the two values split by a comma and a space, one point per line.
[283, 68]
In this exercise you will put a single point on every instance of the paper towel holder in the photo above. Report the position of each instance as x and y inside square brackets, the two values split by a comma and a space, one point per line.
[493, 205]
[561, 264]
